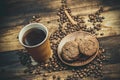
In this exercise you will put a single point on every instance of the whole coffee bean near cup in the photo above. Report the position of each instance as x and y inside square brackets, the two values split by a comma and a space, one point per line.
[34, 37]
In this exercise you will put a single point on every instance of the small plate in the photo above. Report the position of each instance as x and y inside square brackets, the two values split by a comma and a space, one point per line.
[72, 37]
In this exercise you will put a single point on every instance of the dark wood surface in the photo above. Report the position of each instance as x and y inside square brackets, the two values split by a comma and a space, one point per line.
[18, 13]
[11, 69]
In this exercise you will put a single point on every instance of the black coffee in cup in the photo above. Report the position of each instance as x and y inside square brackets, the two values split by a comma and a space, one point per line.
[33, 37]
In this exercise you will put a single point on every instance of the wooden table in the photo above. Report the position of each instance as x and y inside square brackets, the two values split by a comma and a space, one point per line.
[20, 13]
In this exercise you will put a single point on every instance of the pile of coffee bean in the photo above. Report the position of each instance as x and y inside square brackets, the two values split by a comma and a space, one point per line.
[24, 57]
[95, 19]
[93, 69]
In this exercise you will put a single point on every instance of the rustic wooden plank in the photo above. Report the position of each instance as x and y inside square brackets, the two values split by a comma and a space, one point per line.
[19, 75]
[112, 48]
[9, 42]
[9, 35]
[13, 70]
[20, 11]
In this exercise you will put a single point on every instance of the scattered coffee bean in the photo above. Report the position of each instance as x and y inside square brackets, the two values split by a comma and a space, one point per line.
[54, 77]
[45, 75]
[48, 22]
[54, 64]
[58, 78]
[44, 79]
[102, 34]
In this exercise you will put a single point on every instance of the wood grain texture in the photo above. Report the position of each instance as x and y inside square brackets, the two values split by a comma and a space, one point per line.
[20, 12]
[13, 70]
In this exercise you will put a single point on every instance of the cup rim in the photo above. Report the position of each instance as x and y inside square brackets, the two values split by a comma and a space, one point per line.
[20, 39]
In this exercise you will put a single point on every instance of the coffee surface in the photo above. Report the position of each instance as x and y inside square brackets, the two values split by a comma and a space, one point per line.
[33, 37]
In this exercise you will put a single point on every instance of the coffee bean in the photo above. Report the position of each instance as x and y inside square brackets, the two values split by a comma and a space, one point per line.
[102, 34]
[54, 63]
[58, 13]
[81, 76]
[45, 75]
[58, 78]
[44, 79]
[54, 77]
[101, 9]
[63, 1]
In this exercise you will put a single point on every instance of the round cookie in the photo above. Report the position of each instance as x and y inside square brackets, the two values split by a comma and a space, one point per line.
[70, 51]
[88, 44]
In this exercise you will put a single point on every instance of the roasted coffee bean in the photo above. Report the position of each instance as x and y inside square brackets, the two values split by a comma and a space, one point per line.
[73, 70]
[54, 77]
[58, 78]
[64, 6]
[58, 13]
[101, 9]
[45, 75]
[68, 78]
[54, 63]
[44, 79]
[103, 50]
[69, 10]
[58, 20]
[102, 17]
[81, 75]
[63, 1]
[102, 34]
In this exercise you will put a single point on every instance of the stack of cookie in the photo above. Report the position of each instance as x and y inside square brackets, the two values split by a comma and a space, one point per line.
[81, 48]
